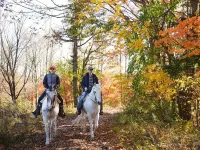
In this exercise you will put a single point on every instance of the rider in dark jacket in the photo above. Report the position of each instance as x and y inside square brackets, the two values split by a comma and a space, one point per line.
[51, 81]
[87, 83]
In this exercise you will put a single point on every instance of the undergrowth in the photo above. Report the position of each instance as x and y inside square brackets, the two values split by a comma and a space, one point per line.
[16, 123]
[140, 127]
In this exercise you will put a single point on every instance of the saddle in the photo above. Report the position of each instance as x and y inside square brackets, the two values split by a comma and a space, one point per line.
[82, 108]
[84, 99]
[56, 98]
[58, 101]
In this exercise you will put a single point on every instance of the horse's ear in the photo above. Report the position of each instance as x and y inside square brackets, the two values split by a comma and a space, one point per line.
[94, 83]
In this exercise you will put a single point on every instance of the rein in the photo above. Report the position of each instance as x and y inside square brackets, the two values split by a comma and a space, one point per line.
[95, 99]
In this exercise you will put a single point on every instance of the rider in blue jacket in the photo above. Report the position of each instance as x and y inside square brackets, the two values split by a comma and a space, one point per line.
[51, 80]
[87, 83]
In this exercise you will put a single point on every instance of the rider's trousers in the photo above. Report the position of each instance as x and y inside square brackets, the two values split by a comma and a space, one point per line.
[80, 102]
[44, 94]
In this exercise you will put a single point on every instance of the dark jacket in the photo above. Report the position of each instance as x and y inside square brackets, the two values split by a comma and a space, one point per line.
[51, 80]
[85, 81]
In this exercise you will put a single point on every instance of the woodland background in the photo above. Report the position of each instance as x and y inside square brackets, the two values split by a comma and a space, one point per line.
[145, 54]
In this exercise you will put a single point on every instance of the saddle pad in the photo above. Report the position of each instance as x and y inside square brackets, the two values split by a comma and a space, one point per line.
[85, 98]
[43, 99]
[58, 101]
[83, 108]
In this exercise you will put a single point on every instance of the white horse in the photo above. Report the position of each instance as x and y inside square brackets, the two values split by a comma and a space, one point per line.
[50, 109]
[91, 108]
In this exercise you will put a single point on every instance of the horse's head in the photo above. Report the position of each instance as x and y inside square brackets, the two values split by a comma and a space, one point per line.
[97, 92]
[51, 99]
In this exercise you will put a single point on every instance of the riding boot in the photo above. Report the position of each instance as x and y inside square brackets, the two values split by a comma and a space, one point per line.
[80, 105]
[101, 109]
[78, 111]
[37, 111]
[61, 111]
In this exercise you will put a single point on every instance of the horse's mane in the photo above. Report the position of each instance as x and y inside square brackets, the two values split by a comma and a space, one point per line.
[97, 85]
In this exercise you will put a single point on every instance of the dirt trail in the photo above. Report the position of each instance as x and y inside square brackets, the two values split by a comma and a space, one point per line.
[73, 138]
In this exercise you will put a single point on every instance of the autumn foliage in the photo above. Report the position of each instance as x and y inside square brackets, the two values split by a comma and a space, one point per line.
[182, 39]
[116, 89]
[158, 83]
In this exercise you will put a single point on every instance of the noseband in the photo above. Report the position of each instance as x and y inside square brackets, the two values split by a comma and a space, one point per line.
[52, 100]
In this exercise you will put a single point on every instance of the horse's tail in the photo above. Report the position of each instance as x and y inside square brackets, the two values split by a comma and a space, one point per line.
[77, 120]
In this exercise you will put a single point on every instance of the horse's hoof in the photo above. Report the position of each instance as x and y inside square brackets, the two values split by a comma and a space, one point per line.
[92, 139]
[47, 143]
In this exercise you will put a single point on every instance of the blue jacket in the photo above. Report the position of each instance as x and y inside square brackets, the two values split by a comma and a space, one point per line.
[85, 81]
[51, 79]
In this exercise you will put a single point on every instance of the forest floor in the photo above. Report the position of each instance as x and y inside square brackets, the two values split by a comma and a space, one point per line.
[73, 138]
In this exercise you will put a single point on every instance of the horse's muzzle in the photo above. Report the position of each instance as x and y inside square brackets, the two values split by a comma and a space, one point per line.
[50, 109]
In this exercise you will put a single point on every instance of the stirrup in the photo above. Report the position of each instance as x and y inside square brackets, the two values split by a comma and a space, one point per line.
[101, 113]
[61, 115]
[61, 112]
[34, 113]
[78, 112]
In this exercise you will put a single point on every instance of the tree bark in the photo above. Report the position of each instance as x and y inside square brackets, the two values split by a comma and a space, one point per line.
[75, 68]
[184, 105]
[12, 51]
[194, 6]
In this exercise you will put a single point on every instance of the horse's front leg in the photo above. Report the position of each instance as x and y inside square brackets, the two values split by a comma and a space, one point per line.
[83, 122]
[51, 126]
[55, 129]
[91, 125]
[47, 132]
[96, 121]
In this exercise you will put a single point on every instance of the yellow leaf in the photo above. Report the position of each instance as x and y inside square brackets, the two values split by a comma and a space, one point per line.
[147, 23]
[93, 1]
[99, 2]
[117, 8]
[12, 123]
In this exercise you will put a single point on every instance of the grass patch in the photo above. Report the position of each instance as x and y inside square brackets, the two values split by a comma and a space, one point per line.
[16, 123]
[138, 130]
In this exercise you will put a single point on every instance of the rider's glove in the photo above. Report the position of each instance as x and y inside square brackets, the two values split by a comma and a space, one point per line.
[85, 89]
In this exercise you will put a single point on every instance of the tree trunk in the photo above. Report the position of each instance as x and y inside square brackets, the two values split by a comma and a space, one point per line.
[197, 112]
[75, 68]
[173, 109]
[36, 95]
[184, 105]
[14, 99]
[184, 98]
[151, 51]
[194, 6]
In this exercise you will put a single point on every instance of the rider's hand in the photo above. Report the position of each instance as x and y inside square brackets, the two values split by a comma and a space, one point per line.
[85, 88]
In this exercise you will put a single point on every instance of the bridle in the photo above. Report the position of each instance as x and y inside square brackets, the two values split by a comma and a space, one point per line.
[95, 99]
[52, 100]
